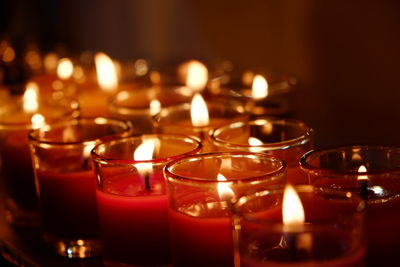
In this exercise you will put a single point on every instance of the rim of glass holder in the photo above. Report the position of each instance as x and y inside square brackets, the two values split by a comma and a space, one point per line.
[198, 180]
[97, 157]
[312, 169]
[279, 190]
[301, 140]
[126, 129]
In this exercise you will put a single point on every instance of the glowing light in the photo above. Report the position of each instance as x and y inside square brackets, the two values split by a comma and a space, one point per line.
[292, 210]
[259, 87]
[30, 98]
[224, 189]
[253, 141]
[144, 152]
[155, 107]
[65, 68]
[9, 54]
[199, 111]
[50, 62]
[106, 72]
[197, 75]
[37, 121]
[362, 169]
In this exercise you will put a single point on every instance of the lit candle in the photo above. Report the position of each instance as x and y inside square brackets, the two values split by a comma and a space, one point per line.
[202, 188]
[131, 197]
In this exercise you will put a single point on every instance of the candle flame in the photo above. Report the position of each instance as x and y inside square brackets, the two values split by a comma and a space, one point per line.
[362, 169]
[197, 75]
[106, 72]
[65, 68]
[144, 152]
[254, 143]
[292, 210]
[155, 107]
[259, 87]
[30, 98]
[37, 121]
[199, 111]
[224, 190]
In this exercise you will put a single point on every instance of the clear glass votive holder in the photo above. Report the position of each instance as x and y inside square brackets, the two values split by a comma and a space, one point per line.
[132, 197]
[286, 139]
[238, 84]
[178, 120]
[331, 235]
[201, 190]
[139, 105]
[66, 183]
[377, 182]
[17, 178]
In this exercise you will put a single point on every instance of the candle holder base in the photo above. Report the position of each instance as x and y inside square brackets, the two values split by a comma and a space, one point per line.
[74, 248]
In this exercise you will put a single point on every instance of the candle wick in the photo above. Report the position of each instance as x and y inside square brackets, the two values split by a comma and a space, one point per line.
[291, 242]
[364, 191]
[147, 181]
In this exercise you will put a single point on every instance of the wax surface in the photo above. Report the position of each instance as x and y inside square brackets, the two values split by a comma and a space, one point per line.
[68, 204]
[134, 229]
[200, 241]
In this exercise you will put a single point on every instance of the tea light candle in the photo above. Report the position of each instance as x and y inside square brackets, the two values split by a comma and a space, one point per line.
[299, 226]
[141, 104]
[18, 115]
[286, 139]
[131, 197]
[201, 189]
[263, 93]
[67, 184]
[198, 118]
[372, 173]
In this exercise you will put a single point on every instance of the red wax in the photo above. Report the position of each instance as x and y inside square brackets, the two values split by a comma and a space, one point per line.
[68, 204]
[296, 176]
[134, 222]
[17, 167]
[201, 241]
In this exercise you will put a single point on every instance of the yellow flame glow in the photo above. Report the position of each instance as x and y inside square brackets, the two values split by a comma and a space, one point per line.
[37, 121]
[259, 87]
[292, 210]
[362, 169]
[106, 72]
[224, 189]
[155, 107]
[144, 152]
[65, 68]
[197, 75]
[50, 62]
[30, 98]
[199, 111]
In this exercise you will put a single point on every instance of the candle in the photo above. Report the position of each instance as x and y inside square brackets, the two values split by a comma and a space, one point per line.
[66, 182]
[131, 197]
[201, 189]
[262, 93]
[286, 139]
[141, 104]
[18, 115]
[371, 172]
[198, 118]
[301, 226]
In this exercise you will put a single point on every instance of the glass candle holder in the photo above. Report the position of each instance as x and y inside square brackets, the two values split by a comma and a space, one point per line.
[141, 104]
[201, 189]
[178, 120]
[19, 194]
[377, 182]
[132, 200]
[285, 139]
[331, 235]
[66, 182]
[275, 88]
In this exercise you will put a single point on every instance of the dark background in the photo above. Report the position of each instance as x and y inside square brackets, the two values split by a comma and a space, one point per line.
[346, 54]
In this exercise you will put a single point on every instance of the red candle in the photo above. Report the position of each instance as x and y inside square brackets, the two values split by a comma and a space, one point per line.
[329, 233]
[201, 241]
[201, 189]
[131, 197]
[134, 222]
[68, 204]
